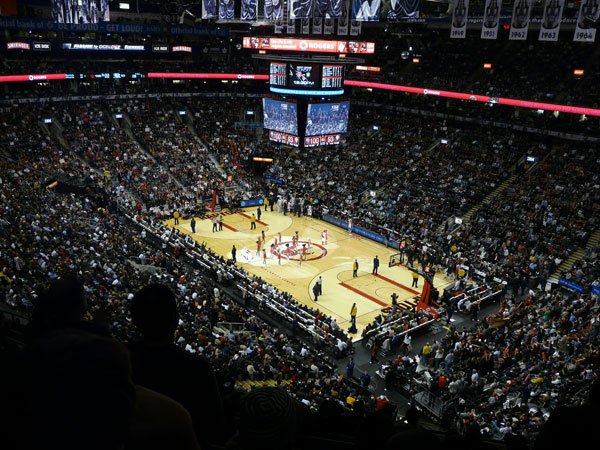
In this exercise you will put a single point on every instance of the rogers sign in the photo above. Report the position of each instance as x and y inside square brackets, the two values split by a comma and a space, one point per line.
[308, 45]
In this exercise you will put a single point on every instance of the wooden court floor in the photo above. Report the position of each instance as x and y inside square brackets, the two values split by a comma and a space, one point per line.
[332, 261]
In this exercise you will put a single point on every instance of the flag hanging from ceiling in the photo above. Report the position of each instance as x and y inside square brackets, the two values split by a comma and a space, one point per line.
[279, 26]
[300, 9]
[249, 10]
[317, 25]
[226, 10]
[491, 19]
[366, 10]
[400, 9]
[585, 30]
[550, 27]
[273, 9]
[328, 26]
[305, 26]
[519, 25]
[343, 20]
[460, 13]
[209, 9]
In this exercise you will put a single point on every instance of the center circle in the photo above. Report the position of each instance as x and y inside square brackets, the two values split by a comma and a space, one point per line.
[311, 251]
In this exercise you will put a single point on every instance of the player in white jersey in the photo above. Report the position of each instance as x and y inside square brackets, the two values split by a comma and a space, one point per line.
[324, 237]
[350, 226]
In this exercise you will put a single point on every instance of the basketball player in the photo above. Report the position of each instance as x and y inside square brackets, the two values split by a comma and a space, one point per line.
[350, 226]
[272, 250]
[258, 242]
[264, 257]
[309, 247]
[324, 237]
[262, 233]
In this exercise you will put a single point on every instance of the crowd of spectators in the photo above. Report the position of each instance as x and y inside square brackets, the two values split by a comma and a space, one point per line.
[505, 376]
[418, 183]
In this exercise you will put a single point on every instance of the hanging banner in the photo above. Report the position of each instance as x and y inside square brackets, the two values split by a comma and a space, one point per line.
[274, 10]
[585, 30]
[328, 26]
[366, 10]
[300, 9]
[321, 8]
[400, 9]
[317, 25]
[291, 26]
[226, 10]
[460, 11]
[343, 21]
[336, 9]
[355, 28]
[520, 20]
[278, 26]
[491, 19]
[550, 27]
[305, 26]
[249, 10]
[209, 9]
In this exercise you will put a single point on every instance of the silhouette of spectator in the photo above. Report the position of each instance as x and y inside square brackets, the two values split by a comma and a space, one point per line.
[73, 389]
[565, 422]
[268, 420]
[160, 365]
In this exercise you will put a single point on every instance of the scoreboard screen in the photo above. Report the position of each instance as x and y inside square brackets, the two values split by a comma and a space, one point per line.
[303, 76]
[306, 78]
[332, 76]
[278, 74]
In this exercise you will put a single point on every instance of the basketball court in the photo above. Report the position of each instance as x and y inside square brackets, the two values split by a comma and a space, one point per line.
[333, 261]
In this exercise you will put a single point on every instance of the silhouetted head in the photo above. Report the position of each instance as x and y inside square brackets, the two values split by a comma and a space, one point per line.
[154, 312]
[62, 303]
[267, 419]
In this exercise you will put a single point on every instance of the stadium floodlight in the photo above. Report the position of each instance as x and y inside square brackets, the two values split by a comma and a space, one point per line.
[443, 141]
[123, 5]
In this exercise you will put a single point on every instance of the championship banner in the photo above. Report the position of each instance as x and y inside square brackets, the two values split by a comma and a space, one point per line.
[328, 26]
[226, 10]
[588, 12]
[460, 12]
[491, 19]
[291, 26]
[550, 27]
[343, 21]
[336, 9]
[305, 26]
[209, 9]
[366, 10]
[355, 28]
[72, 11]
[249, 10]
[317, 25]
[300, 9]
[278, 26]
[320, 9]
[274, 11]
[520, 20]
[400, 9]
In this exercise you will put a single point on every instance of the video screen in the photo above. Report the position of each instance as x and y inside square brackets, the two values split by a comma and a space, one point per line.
[327, 118]
[278, 74]
[303, 75]
[280, 116]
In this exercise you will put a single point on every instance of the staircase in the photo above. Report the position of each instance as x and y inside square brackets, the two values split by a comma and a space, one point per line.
[55, 130]
[566, 265]
[488, 198]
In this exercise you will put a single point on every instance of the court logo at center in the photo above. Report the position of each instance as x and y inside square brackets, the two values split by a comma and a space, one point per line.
[310, 250]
